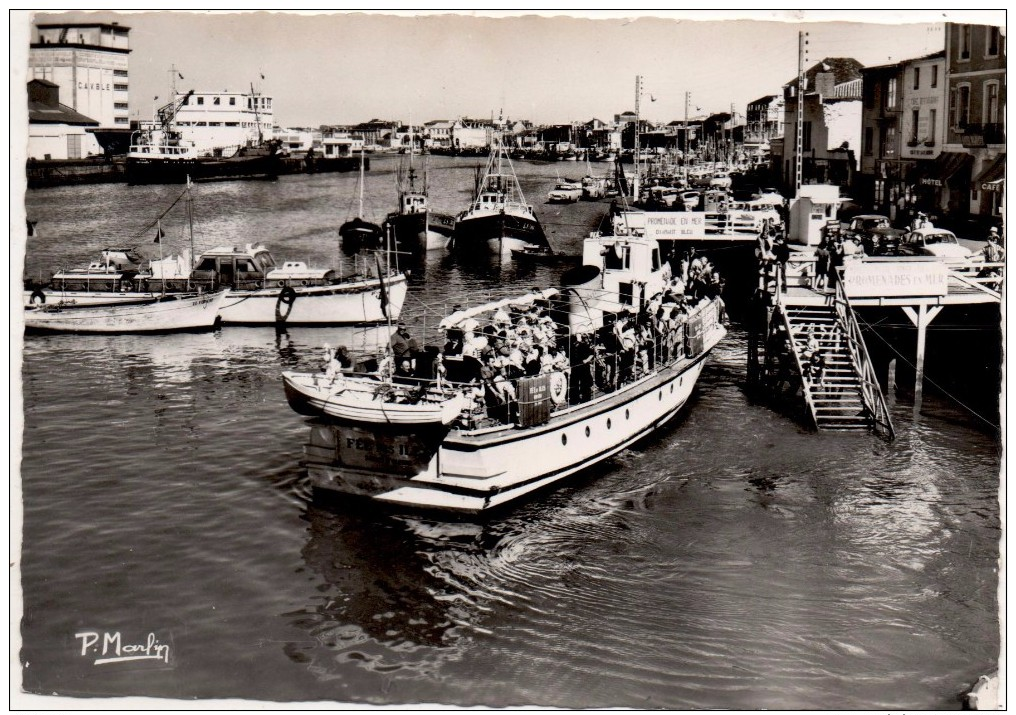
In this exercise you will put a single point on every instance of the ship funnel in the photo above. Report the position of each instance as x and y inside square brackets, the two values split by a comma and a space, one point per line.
[583, 288]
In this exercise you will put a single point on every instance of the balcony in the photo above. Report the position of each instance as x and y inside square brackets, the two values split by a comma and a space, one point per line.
[977, 135]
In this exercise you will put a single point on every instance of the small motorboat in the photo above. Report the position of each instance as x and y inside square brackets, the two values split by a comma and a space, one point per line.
[541, 253]
[365, 399]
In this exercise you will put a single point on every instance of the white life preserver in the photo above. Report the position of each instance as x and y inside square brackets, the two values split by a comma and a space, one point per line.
[558, 388]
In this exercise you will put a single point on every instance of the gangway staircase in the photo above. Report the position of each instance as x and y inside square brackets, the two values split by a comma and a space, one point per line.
[848, 395]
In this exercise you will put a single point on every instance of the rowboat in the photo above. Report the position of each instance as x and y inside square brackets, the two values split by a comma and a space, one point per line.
[160, 315]
[371, 401]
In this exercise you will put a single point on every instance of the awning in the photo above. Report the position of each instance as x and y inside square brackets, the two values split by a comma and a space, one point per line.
[943, 168]
[991, 179]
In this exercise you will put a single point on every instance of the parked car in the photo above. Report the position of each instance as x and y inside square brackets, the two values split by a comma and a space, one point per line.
[565, 193]
[720, 180]
[935, 242]
[875, 234]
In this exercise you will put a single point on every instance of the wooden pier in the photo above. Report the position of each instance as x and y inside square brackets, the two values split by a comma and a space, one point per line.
[840, 390]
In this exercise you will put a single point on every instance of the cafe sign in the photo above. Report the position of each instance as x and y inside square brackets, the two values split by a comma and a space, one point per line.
[895, 279]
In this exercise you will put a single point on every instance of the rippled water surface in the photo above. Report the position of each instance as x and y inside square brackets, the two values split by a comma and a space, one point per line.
[731, 560]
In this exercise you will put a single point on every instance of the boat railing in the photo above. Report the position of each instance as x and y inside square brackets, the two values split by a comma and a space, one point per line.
[530, 400]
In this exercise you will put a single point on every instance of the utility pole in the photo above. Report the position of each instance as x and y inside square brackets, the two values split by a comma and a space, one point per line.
[638, 99]
[731, 142]
[799, 145]
[687, 141]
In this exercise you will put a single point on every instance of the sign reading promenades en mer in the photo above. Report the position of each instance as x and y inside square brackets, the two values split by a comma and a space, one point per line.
[895, 279]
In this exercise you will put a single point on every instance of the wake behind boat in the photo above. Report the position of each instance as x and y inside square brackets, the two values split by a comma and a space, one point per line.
[161, 315]
[572, 374]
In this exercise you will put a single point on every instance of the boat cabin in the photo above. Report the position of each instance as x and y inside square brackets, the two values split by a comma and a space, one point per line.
[413, 203]
[252, 267]
[115, 270]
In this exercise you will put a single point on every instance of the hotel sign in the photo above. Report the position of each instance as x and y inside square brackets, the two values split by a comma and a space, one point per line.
[895, 279]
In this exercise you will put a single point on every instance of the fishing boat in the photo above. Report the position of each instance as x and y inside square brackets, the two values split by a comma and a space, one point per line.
[411, 224]
[163, 314]
[607, 386]
[358, 234]
[498, 218]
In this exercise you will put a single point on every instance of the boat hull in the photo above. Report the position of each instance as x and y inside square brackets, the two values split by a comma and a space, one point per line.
[473, 472]
[175, 313]
[48, 296]
[343, 303]
[175, 171]
[496, 231]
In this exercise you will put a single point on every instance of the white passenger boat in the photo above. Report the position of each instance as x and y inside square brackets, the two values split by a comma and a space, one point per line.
[371, 401]
[162, 315]
[114, 278]
[528, 432]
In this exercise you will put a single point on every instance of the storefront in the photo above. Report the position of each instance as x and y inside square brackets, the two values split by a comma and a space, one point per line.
[940, 186]
[990, 188]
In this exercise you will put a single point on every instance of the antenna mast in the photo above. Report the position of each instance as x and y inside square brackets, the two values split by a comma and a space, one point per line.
[638, 97]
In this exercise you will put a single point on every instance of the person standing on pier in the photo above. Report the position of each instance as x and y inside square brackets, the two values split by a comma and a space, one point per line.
[781, 252]
[836, 256]
[821, 264]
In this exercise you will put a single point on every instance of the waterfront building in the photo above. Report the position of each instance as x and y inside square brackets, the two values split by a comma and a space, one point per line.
[923, 130]
[55, 131]
[472, 133]
[213, 121]
[438, 133]
[975, 70]
[831, 130]
[89, 64]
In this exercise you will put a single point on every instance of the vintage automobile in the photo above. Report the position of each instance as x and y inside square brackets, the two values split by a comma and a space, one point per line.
[936, 242]
[875, 234]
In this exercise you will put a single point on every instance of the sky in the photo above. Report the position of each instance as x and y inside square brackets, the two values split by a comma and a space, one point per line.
[348, 68]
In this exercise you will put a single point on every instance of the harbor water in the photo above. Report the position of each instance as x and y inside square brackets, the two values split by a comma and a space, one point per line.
[731, 560]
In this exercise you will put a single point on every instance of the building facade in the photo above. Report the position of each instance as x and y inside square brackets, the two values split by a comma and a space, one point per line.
[831, 130]
[55, 131]
[882, 171]
[975, 59]
[763, 123]
[214, 121]
[89, 63]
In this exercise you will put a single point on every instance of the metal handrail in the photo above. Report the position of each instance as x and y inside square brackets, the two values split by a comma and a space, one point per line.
[800, 368]
[871, 391]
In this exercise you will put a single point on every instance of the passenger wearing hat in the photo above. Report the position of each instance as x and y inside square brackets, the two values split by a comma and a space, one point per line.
[403, 344]
[993, 251]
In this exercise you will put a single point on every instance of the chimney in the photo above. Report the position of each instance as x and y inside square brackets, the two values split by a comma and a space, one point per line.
[824, 83]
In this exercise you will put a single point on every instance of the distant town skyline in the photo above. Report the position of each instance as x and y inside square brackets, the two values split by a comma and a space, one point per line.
[346, 68]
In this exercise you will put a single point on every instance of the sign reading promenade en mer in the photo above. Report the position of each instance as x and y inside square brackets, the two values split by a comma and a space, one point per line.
[873, 280]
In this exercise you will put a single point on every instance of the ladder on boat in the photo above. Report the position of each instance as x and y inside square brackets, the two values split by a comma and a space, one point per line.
[847, 396]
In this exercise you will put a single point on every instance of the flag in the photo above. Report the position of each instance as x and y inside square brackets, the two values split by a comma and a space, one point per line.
[262, 76]
[181, 76]
[384, 293]
[159, 235]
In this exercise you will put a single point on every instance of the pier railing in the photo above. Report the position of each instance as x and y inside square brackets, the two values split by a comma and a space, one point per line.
[871, 391]
[808, 399]
[981, 276]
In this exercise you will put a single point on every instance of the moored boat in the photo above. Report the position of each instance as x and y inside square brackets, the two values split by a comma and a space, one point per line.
[164, 314]
[412, 224]
[610, 360]
[498, 218]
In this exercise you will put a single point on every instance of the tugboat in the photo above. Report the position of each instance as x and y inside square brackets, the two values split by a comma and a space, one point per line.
[498, 219]
[587, 369]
